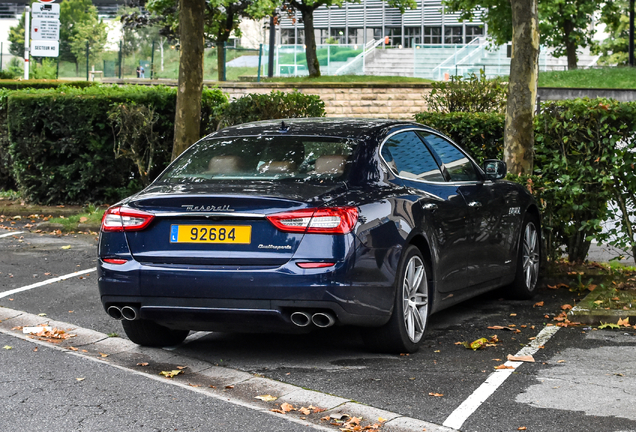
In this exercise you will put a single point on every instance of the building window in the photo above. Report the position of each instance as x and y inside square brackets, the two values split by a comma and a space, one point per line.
[412, 36]
[473, 32]
[453, 35]
[395, 36]
[338, 35]
[321, 36]
[432, 35]
[287, 37]
[355, 36]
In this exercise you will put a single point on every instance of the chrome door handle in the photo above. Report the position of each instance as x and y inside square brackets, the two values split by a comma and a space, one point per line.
[474, 204]
[429, 206]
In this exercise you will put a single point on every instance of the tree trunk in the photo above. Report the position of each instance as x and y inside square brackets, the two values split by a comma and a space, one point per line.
[522, 87]
[570, 46]
[187, 122]
[310, 42]
[220, 60]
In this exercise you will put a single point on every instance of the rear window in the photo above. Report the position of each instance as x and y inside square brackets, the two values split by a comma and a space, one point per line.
[263, 158]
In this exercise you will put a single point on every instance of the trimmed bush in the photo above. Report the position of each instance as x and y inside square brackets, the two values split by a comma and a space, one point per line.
[41, 84]
[276, 105]
[62, 143]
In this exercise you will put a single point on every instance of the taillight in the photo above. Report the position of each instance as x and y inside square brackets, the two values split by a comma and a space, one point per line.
[315, 265]
[329, 220]
[125, 219]
[115, 261]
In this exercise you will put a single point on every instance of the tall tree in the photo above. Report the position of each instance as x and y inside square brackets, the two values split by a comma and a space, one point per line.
[187, 122]
[565, 25]
[614, 50]
[522, 87]
[307, 8]
[222, 19]
[74, 14]
[91, 31]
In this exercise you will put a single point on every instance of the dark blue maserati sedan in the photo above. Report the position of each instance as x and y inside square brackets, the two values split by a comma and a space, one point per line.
[291, 225]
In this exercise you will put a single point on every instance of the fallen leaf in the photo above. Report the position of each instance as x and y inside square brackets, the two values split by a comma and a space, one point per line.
[522, 428]
[73, 348]
[142, 364]
[503, 366]
[287, 407]
[560, 361]
[526, 358]
[80, 379]
[513, 314]
[41, 314]
[553, 286]
[623, 322]
[181, 367]
[103, 355]
[171, 374]
[566, 307]
[211, 386]
[66, 247]
[304, 411]
[7, 347]
[229, 387]
[496, 327]
[83, 219]
[591, 287]
[436, 394]
[266, 398]
[538, 304]
[278, 411]
[381, 420]
[194, 385]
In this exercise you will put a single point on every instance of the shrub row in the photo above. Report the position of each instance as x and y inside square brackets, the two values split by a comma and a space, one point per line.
[583, 167]
[63, 141]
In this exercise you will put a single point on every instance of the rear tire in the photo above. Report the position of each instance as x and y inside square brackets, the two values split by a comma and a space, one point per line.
[407, 325]
[149, 333]
[528, 260]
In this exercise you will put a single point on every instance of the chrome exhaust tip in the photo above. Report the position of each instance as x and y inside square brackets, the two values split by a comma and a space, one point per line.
[301, 319]
[130, 313]
[322, 319]
[115, 312]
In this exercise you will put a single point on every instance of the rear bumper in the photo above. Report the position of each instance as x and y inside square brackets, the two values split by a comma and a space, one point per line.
[225, 298]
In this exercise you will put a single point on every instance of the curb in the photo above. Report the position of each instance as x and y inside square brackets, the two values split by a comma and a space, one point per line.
[230, 385]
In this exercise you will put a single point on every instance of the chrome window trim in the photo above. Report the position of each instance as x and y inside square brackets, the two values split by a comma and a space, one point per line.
[426, 181]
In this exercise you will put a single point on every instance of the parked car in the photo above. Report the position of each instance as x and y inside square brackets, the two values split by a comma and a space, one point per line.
[304, 223]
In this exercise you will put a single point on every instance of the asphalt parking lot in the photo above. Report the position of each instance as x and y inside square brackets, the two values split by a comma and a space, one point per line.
[581, 380]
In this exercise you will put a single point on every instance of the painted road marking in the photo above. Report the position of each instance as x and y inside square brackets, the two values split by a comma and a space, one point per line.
[11, 234]
[457, 418]
[46, 282]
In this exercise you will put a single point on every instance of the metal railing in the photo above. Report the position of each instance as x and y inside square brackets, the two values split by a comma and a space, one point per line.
[360, 58]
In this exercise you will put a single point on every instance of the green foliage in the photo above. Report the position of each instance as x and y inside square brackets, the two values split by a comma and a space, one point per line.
[474, 93]
[16, 38]
[614, 49]
[62, 143]
[47, 69]
[584, 151]
[74, 14]
[563, 24]
[607, 77]
[7, 74]
[93, 32]
[276, 105]
[480, 134]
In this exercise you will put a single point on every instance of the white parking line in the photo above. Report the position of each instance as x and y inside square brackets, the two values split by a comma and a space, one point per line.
[46, 282]
[479, 396]
[11, 234]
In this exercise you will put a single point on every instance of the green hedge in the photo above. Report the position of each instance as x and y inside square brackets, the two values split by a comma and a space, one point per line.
[41, 84]
[62, 143]
[584, 156]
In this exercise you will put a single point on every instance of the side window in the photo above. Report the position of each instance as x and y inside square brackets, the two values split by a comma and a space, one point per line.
[459, 167]
[407, 155]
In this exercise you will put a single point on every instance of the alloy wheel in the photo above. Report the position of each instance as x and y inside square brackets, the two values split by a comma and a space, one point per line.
[530, 256]
[415, 299]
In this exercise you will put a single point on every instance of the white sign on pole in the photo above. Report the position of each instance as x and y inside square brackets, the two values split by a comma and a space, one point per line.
[45, 29]
[45, 48]
[46, 11]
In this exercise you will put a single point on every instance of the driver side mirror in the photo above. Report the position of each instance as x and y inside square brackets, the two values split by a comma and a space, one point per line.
[495, 169]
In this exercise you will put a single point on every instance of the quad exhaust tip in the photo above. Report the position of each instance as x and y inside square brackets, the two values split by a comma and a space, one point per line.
[322, 319]
[130, 313]
[301, 319]
[115, 312]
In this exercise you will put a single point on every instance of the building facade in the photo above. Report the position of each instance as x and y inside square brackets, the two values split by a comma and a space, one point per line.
[358, 23]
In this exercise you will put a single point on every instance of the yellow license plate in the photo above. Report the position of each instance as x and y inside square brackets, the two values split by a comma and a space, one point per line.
[239, 234]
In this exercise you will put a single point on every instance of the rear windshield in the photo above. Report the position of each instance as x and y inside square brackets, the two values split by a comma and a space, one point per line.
[263, 158]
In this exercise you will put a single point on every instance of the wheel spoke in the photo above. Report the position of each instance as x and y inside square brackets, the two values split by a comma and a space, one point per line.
[419, 322]
[417, 280]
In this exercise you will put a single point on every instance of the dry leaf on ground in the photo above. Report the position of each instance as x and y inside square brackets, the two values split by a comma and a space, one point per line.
[526, 358]
[266, 398]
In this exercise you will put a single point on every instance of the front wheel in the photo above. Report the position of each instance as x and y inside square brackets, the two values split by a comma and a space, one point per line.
[528, 260]
[149, 333]
[407, 324]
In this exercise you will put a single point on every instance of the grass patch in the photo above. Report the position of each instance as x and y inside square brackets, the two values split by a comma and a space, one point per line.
[92, 216]
[349, 79]
[609, 77]
[10, 195]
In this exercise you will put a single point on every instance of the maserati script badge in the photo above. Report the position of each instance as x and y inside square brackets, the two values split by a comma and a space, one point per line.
[210, 208]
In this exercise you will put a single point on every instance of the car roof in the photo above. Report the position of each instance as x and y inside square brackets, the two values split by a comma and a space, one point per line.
[354, 128]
